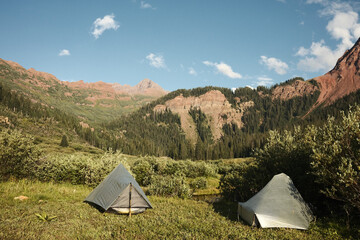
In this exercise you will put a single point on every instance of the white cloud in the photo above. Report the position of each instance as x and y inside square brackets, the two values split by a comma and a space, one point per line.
[192, 71]
[283, 1]
[156, 61]
[264, 81]
[224, 69]
[317, 57]
[302, 52]
[102, 24]
[275, 64]
[343, 26]
[145, 5]
[64, 52]
[316, 1]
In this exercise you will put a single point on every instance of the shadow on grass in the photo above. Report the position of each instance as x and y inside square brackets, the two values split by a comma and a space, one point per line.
[97, 207]
[227, 209]
[336, 225]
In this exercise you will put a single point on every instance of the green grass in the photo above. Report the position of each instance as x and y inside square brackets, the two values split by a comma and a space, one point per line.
[171, 218]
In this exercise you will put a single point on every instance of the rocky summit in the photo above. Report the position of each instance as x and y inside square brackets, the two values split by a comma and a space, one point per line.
[343, 79]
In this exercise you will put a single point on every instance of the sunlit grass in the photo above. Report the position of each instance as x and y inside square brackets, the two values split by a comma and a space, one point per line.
[171, 218]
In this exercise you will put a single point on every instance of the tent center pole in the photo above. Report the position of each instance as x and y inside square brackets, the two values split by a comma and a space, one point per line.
[130, 200]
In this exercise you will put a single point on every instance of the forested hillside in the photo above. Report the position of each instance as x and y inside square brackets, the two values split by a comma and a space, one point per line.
[47, 125]
[159, 133]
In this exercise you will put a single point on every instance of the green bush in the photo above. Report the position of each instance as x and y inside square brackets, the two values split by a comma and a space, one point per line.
[199, 183]
[336, 158]
[145, 167]
[18, 154]
[169, 186]
[144, 171]
[166, 177]
[199, 169]
[290, 153]
[78, 168]
[20, 158]
[241, 182]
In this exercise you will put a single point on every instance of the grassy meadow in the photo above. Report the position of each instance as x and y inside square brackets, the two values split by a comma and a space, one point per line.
[57, 211]
[58, 180]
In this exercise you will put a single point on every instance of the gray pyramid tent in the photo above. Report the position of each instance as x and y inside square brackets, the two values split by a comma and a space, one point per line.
[119, 192]
[278, 204]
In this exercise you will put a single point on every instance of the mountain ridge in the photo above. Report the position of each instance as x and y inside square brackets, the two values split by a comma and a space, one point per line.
[144, 87]
[343, 79]
[200, 123]
[91, 102]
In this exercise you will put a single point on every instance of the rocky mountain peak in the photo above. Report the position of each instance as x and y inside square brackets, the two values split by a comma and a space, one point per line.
[147, 84]
[349, 59]
[145, 87]
[343, 79]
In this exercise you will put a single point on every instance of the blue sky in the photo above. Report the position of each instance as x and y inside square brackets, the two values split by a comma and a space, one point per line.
[179, 44]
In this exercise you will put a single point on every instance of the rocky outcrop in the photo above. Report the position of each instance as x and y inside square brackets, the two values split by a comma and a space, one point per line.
[297, 89]
[343, 79]
[213, 104]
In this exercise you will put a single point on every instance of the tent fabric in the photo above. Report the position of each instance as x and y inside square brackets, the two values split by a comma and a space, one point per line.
[278, 204]
[114, 191]
[137, 201]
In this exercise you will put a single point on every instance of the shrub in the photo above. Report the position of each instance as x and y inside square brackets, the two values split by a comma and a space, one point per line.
[78, 168]
[169, 186]
[18, 154]
[241, 182]
[336, 158]
[144, 171]
[199, 169]
[199, 183]
[290, 153]
[147, 166]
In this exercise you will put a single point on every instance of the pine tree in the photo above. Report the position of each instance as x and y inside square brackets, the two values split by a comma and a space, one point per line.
[64, 142]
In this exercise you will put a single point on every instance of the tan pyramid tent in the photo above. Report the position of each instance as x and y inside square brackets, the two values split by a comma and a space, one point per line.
[278, 204]
[119, 192]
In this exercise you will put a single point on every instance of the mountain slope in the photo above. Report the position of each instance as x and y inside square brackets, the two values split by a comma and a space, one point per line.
[343, 79]
[213, 122]
[91, 102]
[200, 123]
[213, 104]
